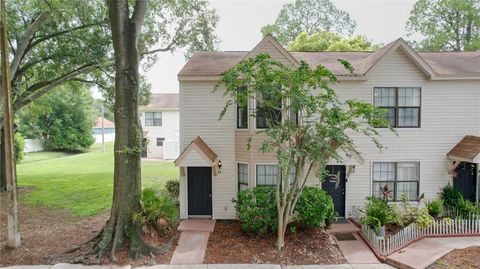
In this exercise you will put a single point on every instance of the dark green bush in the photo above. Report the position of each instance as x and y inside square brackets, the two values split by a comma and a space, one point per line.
[453, 199]
[450, 195]
[19, 146]
[313, 206]
[159, 211]
[434, 208]
[377, 213]
[173, 188]
[257, 210]
[465, 207]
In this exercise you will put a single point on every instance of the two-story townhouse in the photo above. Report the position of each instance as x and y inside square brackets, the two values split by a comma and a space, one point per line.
[160, 124]
[432, 99]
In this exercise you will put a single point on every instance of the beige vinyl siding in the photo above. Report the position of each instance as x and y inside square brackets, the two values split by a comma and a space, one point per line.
[449, 110]
[199, 117]
[276, 54]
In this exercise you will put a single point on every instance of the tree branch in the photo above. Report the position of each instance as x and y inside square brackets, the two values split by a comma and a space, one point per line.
[39, 89]
[27, 65]
[22, 48]
[53, 35]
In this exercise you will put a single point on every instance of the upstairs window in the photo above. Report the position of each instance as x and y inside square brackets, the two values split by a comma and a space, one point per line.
[153, 118]
[402, 105]
[242, 110]
[267, 116]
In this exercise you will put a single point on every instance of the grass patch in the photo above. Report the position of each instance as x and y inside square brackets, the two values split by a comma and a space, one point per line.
[81, 183]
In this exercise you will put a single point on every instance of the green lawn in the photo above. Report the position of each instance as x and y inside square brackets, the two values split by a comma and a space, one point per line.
[81, 183]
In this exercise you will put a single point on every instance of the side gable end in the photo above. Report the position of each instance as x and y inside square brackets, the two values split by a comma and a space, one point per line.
[400, 44]
[271, 46]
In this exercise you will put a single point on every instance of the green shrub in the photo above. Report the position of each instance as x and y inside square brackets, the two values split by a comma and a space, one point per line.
[465, 207]
[434, 208]
[173, 188]
[159, 211]
[450, 195]
[377, 213]
[423, 219]
[452, 198]
[313, 207]
[257, 210]
[19, 146]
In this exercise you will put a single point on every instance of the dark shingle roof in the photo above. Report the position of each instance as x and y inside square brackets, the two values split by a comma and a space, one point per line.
[162, 101]
[442, 63]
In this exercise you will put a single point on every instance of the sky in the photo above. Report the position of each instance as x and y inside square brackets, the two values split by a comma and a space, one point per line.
[241, 20]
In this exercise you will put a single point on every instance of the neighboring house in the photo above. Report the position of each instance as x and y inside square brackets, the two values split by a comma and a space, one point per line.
[108, 130]
[433, 99]
[160, 123]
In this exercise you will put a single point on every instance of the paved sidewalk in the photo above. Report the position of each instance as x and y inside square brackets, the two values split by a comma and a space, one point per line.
[357, 252]
[204, 266]
[426, 251]
[193, 241]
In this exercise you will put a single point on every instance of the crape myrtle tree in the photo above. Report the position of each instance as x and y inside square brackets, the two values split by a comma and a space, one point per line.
[129, 23]
[309, 16]
[446, 25]
[55, 42]
[306, 121]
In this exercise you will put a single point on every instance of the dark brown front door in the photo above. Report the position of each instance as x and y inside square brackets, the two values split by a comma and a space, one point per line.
[199, 191]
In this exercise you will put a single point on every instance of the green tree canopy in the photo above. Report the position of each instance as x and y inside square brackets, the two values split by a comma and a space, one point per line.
[306, 121]
[62, 119]
[446, 25]
[53, 42]
[326, 41]
[309, 16]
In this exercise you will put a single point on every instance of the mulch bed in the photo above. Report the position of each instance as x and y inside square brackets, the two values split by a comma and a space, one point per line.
[467, 258]
[48, 233]
[228, 244]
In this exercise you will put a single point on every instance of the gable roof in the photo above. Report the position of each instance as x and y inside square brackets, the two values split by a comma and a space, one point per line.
[468, 149]
[200, 147]
[436, 65]
[270, 40]
[159, 101]
[106, 123]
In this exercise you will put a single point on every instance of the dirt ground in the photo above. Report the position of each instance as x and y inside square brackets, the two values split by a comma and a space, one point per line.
[467, 258]
[227, 244]
[47, 233]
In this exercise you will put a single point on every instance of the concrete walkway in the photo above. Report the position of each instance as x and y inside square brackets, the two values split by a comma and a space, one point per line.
[357, 251]
[201, 266]
[426, 251]
[193, 241]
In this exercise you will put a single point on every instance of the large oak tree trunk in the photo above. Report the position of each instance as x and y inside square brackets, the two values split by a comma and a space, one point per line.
[121, 230]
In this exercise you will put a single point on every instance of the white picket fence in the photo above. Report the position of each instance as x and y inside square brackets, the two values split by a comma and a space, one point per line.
[442, 227]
